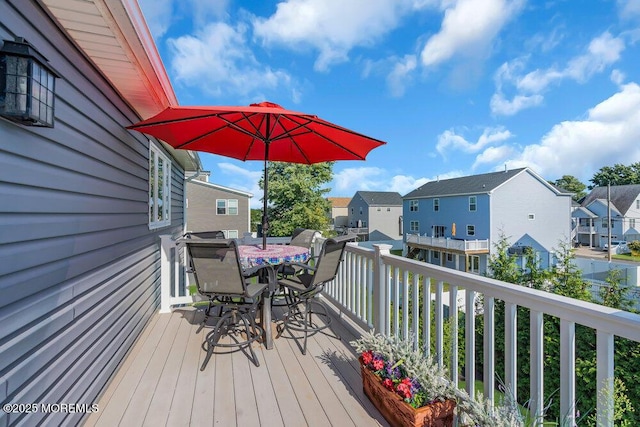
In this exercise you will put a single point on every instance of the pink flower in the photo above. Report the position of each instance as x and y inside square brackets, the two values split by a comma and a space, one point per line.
[367, 357]
[387, 383]
[404, 388]
[378, 364]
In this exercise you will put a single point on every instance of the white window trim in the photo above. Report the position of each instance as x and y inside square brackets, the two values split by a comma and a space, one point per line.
[166, 181]
[475, 204]
[416, 228]
[436, 204]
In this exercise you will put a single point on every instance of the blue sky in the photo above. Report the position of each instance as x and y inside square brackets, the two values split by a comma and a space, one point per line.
[455, 87]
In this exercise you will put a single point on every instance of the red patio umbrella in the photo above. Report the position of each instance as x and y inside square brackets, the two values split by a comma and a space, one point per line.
[264, 131]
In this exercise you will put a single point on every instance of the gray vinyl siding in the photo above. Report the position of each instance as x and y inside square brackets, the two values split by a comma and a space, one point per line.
[511, 204]
[79, 267]
[202, 213]
[383, 224]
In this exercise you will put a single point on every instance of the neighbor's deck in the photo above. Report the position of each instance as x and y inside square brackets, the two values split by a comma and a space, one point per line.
[160, 382]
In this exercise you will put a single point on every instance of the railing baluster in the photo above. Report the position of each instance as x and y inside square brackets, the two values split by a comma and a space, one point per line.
[396, 301]
[537, 365]
[604, 355]
[489, 348]
[567, 371]
[406, 303]
[426, 314]
[470, 342]
[415, 292]
[510, 348]
[453, 321]
[439, 320]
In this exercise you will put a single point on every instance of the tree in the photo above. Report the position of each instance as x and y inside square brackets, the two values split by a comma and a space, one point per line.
[256, 218]
[616, 175]
[572, 184]
[296, 196]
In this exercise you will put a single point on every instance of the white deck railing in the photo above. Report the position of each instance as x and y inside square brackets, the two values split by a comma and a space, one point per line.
[369, 280]
[448, 243]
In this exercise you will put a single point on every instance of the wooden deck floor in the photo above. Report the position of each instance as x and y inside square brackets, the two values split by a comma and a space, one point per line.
[160, 382]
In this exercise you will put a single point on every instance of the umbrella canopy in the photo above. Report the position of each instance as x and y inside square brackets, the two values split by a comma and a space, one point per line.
[264, 131]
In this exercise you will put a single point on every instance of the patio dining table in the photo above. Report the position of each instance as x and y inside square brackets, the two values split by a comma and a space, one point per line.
[255, 255]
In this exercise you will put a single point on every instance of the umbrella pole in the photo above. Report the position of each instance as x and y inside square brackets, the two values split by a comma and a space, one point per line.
[265, 222]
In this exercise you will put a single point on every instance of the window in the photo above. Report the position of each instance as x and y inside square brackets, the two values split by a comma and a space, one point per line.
[414, 226]
[604, 222]
[471, 230]
[632, 223]
[230, 234]
[436, 205]
[360, 210]
[474, 264]
[473, 203]
[438, 231]
[449, 257]
[378, 209]
[227, 207]
[638, 204]
[436, 254]
[159, 188]
[531, 216]
[413, 206]
[388, 209]
[351, 211]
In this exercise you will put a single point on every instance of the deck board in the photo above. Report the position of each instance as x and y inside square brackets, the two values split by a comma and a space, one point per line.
[160, 382]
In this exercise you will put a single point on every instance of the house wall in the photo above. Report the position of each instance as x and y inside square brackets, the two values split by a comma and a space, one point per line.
[79, 266]
[384, 224]
[355, 205]
[202, 213]
[340, 217]
[511, 204]
[453, 210]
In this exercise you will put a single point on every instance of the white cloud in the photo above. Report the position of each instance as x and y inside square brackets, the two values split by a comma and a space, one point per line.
[493, 155]
[629, 9]
[468, 29]
[450, 140]
[158, 14]
[403, 184]
[350, 180]
[608, 135]
[241, 179]
[602, 52]
[400, 75]
[218, 61]
[331, 27]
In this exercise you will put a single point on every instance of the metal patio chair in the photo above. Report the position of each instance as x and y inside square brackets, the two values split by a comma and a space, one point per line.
[306, 284]
[219, 276]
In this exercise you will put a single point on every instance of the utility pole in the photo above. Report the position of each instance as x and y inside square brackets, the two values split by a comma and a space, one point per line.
[609, 222]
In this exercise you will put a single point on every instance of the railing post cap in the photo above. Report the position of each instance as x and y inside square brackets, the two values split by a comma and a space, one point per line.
[382, 247]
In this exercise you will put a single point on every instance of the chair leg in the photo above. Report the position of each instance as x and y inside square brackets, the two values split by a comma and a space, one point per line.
[211, 343]
[251, 330]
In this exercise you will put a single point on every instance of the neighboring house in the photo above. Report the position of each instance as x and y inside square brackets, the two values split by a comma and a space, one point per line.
[214, 207]
[376, 215]
[456, 222]
[591, 218]
[339, 215]
[83, 204]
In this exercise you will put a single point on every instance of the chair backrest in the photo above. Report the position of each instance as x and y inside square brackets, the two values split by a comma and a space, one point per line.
[216, 266]
[218, 234]
[302, 237]
[330, 257]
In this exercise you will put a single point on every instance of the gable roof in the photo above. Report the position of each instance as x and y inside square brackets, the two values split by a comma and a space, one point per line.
[622, 196]
[339, 202]
[473, 184]
[380, 198]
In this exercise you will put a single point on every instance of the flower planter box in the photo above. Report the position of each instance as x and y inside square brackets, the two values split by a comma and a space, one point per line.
[397, 412]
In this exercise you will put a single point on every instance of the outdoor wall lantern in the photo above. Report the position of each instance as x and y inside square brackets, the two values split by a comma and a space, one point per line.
[27, 84]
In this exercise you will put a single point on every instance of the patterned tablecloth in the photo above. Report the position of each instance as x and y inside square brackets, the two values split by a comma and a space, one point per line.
[254, 255]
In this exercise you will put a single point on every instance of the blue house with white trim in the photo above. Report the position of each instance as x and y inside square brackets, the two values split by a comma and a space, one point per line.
[456, 222]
